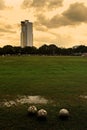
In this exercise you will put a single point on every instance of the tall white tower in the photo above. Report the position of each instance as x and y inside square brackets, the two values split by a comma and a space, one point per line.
[26, 33]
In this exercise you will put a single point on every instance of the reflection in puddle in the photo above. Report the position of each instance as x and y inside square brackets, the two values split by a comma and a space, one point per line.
[32, 99]
[9, 103]
[26, 100]
[83, 96]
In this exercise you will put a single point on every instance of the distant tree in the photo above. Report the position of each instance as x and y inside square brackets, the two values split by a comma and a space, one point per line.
[80, 49]
[17, 50]
[26, 50]
[1, 51]
[43, 50]
[69, 51]
[29, 50]
[64, 51]
[8, 49]
[52, 49]
[33, 50]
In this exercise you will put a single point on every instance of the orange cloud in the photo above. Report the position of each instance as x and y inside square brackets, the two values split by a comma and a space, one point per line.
[2, 4]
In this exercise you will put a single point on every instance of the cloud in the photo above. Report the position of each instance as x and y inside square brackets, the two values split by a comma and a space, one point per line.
[76, 12]
[2, 4]
[39, 27]
[47, 3]
[56, 21]
[41, 20]
[74, 15]
[8, 34]
[6, 31]
[41, 9]
[55, 3]
[37, 4]
[6, 28]
[26, 4]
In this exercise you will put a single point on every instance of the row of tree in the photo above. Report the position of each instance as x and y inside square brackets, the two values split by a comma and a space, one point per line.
[43, 50]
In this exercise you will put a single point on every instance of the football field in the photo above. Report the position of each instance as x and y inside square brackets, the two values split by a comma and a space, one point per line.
[48, 82]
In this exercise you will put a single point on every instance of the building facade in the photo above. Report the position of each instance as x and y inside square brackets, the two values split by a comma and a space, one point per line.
[26, 33]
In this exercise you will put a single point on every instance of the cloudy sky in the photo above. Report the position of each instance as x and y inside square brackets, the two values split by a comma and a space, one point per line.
[59, 22]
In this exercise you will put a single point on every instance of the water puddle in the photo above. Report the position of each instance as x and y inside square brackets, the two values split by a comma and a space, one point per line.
[25, 100]
[83, 96]
[9, 103]
[32, 99]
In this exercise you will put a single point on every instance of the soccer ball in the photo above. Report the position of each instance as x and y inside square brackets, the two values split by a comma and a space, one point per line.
[64, 113]
[32, 110]
[42, 114]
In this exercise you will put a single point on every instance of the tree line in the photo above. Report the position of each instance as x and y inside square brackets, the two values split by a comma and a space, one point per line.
[43, 50]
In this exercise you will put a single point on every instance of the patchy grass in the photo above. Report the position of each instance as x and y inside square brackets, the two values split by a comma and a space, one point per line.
[62, 80]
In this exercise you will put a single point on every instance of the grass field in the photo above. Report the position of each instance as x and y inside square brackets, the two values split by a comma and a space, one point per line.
[61, 80]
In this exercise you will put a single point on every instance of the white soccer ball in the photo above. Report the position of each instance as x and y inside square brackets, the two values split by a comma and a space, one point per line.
[42, 113]
[32, 110]
[64, 113]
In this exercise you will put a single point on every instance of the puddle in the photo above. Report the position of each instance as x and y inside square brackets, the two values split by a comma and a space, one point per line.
[32, 99]
[83, 96]
[9, 103]
[25, 100]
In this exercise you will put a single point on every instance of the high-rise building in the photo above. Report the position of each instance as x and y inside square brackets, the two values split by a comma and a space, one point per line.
[26, 33]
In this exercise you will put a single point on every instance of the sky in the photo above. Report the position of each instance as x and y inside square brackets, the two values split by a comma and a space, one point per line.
[59, 22]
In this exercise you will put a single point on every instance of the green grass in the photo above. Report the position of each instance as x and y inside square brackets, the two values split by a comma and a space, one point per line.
[60, 79]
